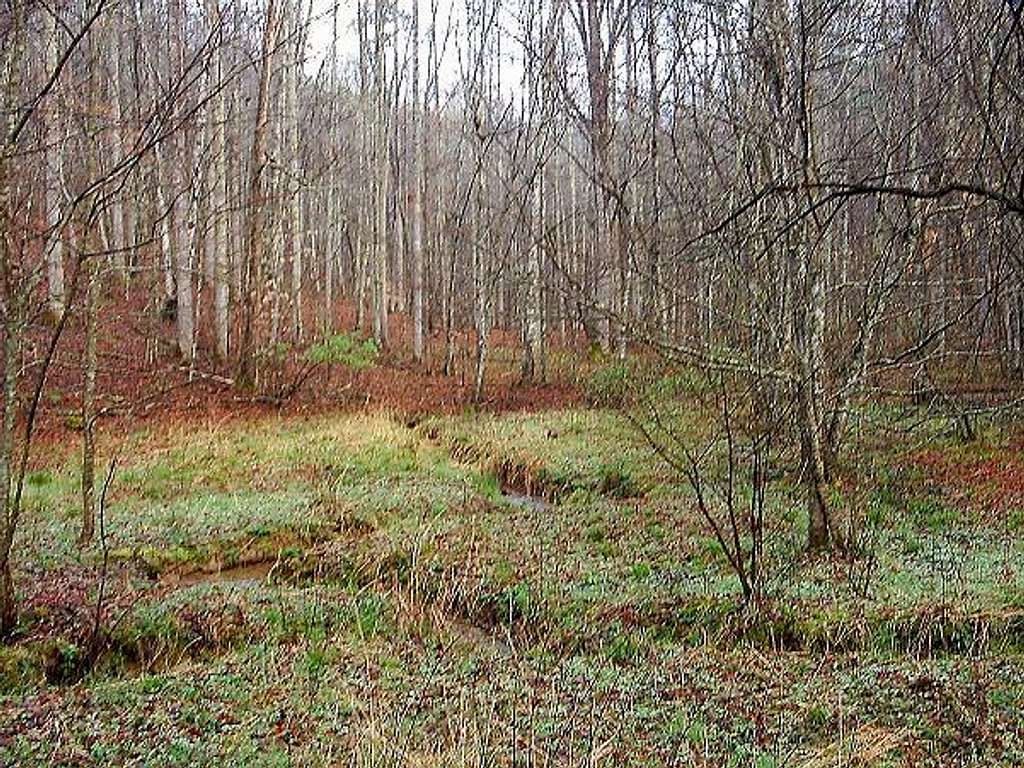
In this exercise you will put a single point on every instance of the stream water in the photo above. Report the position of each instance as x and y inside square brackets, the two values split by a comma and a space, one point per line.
[242, 575]
[256, 573]
[524, 501]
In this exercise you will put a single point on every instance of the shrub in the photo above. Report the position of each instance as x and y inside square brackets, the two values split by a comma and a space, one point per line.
[617, 482]
[611, 385]
[344, 349]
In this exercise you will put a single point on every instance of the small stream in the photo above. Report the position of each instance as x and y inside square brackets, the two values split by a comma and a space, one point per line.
[524, 501]
[242, 575]
[253, 574]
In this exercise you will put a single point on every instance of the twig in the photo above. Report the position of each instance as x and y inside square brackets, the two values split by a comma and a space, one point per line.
[95, 641]
[207, 376]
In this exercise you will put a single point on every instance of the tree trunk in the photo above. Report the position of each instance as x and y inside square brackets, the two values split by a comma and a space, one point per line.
[534, 335]
[183, 285]
[605, 251]
[164, 217]
[280, 186]
[334, 234]
[180, 231]
[292, 72]
[381, 147]
[53, 144]
[480, 319]
[219, 189]
[809, 331]
[481, 276]
[416, 193]
[118, 234]
[89, 403]
[13, 327]
[12, 333]
[252, 268]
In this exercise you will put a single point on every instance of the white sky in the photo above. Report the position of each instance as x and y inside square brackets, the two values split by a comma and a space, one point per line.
[449, 12]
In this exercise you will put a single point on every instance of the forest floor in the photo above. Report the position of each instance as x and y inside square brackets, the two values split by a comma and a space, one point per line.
[140, 378]
[403, 585]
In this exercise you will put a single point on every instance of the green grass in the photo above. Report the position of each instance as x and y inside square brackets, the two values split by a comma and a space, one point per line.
[202, 494]
[412, 616]
[313, 701]
[555, 453]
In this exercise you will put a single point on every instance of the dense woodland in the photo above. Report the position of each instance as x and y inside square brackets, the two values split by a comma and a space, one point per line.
[809, 204]
[836, 180]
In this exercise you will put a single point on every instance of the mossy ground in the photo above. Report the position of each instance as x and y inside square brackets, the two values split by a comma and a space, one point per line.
[405, 612]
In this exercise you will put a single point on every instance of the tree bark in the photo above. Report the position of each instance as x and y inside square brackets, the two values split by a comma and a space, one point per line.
[254, 249]
[89, 402]
[334, 234]
[180, 232]
[416, 193]
[219, 188]
[381, 147]
[53, 144]
[14, 303]
[532, 311]
[295, 224]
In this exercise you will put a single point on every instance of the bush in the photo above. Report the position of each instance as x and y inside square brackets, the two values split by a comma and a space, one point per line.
[611, 385]
[345, 349]
[617, 482]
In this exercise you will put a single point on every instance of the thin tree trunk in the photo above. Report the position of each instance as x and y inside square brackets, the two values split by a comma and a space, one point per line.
[219, 188]
[396, 293]
[118, 235]
[416, 193]
[381, 147]
[53, 144]
[165, 224]
[481, 278]
[534, 336]
[334, 234]
[14, 325]
[481, 317]
[292, 71]
[8, 514]
[182, 252]
[89, 402]
[183, 286]
[280, 186]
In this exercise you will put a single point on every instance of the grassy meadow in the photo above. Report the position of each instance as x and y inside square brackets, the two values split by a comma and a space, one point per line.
[521, 589]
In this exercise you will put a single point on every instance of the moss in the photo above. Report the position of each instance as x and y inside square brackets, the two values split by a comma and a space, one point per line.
[21, 668]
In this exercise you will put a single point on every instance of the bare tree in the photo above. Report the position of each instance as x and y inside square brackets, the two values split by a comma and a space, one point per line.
[252, 273]
[416, 210]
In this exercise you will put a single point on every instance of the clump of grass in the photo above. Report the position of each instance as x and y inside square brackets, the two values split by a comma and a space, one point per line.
[554, 455]
[346, 350]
